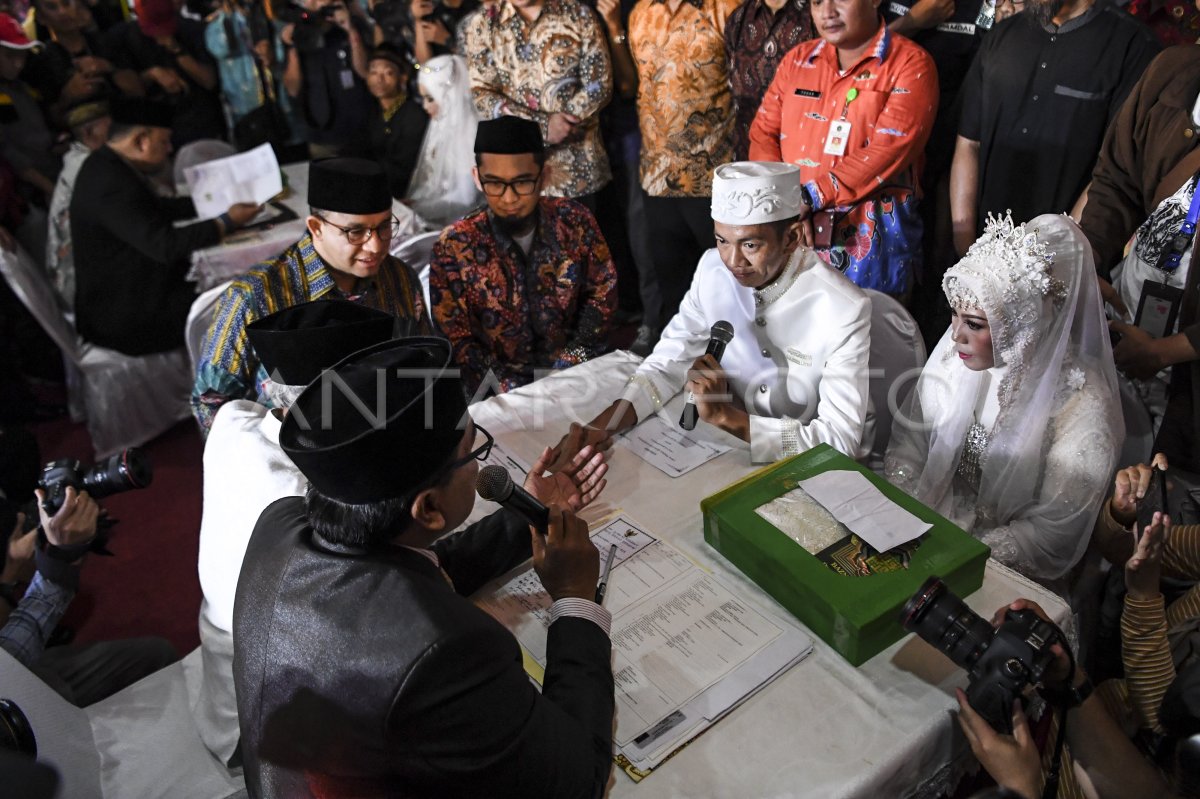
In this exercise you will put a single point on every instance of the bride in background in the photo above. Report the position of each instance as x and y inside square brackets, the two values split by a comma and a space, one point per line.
[442, 187]
[1015, 424]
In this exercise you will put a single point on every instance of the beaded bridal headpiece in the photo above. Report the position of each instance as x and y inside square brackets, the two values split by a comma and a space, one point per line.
[1007, 257]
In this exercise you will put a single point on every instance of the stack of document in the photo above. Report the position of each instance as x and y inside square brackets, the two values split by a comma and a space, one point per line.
[686, 649]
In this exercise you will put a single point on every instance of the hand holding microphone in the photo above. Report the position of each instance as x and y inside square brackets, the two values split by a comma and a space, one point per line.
[496, 485]
[720, 335]
[564, 557]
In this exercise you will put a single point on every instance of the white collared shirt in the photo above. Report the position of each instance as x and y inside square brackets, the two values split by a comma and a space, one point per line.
[798, 360]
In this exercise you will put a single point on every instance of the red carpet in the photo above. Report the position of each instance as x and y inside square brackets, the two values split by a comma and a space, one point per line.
[150, 586]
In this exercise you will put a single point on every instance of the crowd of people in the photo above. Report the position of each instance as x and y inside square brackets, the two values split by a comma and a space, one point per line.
[1022, 176]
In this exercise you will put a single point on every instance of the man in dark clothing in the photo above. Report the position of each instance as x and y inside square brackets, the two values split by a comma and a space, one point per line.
[1035, 105]
[360, 665]
[397, 125]
[168, 53]
[131, 261]
[326, 70]
[1146, 180]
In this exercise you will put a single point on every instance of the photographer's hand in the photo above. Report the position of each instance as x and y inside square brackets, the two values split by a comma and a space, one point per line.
[75, 522]
[1013, 761]
[1060, 670]
[1129, 486]
[19, 564]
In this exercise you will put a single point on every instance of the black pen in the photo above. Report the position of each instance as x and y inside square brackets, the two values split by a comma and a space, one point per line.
[612, 553]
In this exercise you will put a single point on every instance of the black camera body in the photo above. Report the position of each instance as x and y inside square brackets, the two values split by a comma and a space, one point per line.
[309, 33]
[1000, 662]
[123, 471]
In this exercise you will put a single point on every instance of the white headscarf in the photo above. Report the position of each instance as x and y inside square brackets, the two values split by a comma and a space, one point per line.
[442, 189]
[1056, 436]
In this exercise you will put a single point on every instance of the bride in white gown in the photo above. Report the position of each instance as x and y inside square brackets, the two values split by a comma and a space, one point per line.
[1014, 427]
[442, 189]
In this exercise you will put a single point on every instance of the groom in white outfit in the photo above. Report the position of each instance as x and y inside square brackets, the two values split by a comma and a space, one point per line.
[795, 374]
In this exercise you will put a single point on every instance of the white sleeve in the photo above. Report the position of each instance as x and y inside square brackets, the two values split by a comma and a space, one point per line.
[664, 372]
[841, 406]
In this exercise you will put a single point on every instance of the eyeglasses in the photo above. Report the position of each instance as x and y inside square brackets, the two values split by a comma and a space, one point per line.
[386, 231]
[522, 187]
[480, 453]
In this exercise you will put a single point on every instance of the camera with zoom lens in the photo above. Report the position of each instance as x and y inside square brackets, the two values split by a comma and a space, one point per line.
[1000, 662]
[308, 35]
[124, 471]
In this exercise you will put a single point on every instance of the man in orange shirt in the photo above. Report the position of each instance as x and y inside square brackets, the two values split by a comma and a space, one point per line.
[853, 110]
[685, 114]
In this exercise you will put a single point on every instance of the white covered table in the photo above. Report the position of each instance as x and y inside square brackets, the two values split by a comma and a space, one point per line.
[824, 729]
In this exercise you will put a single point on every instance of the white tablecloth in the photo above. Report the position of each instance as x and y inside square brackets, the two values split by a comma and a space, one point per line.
[825, 729]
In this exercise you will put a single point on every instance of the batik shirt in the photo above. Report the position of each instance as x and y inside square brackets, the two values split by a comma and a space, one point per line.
[511, 314]
[756, 40]
[685, 109]
[559, 63]
[871, 190]
[229, 369]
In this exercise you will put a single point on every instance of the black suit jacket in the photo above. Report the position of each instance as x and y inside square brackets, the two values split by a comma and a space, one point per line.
[367, 674]
[131, 261]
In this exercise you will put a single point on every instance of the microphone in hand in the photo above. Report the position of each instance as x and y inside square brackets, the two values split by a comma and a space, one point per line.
[720, 335]
[495, 484]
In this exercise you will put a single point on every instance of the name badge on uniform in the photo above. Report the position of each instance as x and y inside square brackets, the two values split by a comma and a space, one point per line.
[839, 136]
[347, 79]
[1158, 308]
[811, 93]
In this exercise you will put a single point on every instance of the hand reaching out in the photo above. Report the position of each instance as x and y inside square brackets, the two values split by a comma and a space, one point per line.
[1143, 571]
[575, 485]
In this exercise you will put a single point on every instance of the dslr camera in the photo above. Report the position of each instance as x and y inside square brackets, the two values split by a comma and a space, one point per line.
[308, 35]
[124, 471]
[1000, 662]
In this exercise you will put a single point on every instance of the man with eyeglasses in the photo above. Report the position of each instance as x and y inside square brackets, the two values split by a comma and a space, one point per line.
[527, 284]
[342, 255]
[361, 665]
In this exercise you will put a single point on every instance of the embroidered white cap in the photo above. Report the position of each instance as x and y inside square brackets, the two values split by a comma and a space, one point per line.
[755, 192]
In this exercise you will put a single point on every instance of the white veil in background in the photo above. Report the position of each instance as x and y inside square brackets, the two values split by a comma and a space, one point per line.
[442, 189]
[1052, 449]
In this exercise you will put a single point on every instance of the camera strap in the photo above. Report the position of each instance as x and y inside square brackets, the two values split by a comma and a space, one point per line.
[1050, 790]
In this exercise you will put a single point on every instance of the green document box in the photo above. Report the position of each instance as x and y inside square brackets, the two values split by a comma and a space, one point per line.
[859, 616]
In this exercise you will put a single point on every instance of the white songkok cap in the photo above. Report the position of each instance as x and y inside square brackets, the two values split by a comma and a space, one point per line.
[755, 192]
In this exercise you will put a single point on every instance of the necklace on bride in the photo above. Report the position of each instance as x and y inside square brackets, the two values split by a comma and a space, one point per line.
[979, 434]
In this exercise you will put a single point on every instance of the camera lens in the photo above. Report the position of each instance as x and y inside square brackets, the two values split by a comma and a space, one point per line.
[945, 622]
[124, 471]
[16, 733]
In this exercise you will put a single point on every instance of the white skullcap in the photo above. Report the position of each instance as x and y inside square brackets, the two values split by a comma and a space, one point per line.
[755, 192]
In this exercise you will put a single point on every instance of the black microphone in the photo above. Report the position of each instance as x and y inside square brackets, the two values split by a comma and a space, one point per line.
[496, 485]
[720, 335]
